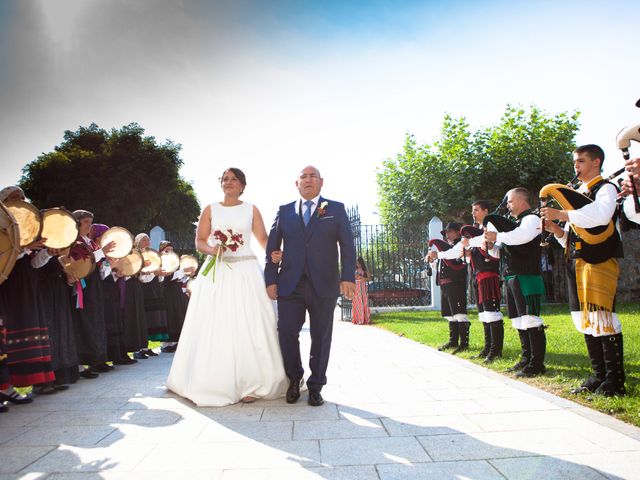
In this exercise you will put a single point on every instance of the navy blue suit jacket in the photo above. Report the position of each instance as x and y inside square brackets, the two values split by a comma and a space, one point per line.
[313, 249]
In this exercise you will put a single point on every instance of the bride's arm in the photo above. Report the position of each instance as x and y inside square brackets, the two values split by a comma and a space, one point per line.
[204, 232]
[259, 231]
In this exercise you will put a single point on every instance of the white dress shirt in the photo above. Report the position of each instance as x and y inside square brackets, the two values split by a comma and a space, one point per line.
[301, 207]
[528, 229]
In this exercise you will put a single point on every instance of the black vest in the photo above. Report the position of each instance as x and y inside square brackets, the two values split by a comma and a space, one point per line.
[450, 271]
[482, 263]
[523, 259]
[600, 252]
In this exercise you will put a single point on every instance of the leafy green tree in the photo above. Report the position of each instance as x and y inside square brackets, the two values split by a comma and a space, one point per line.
[123, 177]
[528, 148]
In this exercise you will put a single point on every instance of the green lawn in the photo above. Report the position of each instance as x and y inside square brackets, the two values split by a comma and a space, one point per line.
[566, 359]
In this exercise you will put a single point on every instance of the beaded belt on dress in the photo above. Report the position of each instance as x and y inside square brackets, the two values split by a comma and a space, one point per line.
[239, 258]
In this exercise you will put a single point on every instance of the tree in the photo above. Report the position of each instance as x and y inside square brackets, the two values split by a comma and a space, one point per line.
[527, 148]
[123, 177]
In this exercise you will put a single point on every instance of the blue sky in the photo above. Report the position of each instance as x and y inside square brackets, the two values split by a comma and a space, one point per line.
[272, 86]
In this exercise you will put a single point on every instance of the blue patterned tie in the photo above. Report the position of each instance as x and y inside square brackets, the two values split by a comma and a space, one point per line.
[307, 213]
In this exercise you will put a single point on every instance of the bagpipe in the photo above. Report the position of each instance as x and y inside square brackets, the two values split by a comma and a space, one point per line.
[570, 199]
[471, 231]
[442, 246]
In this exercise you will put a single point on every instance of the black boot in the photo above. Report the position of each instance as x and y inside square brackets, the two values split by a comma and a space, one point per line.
[487, 341]
[497, 340]
[538, 342]
[614, 366]
[454, 334]
[596, 355]
[464, 337]
[526, 352]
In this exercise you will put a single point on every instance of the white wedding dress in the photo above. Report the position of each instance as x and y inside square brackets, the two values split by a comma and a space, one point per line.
[229, 347]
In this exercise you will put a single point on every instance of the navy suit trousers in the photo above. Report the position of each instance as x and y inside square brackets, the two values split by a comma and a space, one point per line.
[291, 316]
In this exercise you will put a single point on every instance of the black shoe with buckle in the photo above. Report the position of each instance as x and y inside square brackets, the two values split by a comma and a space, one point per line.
[315, 398]
[15, 398]
[293, 392]
[88, 373]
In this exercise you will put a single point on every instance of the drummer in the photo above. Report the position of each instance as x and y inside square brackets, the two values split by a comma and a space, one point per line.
[175, 300]
[113, 317]
[28, 354]
[91, 331]
[154, 305]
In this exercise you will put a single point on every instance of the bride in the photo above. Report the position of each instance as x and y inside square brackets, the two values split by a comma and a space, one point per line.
[228, 350]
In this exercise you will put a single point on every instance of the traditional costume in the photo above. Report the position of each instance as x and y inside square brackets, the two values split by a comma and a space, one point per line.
[525, 290]
[452, 278]
[54, 291]
[486, 282]
[592, 270]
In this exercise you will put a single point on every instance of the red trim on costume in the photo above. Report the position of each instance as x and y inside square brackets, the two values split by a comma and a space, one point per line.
[488, 286]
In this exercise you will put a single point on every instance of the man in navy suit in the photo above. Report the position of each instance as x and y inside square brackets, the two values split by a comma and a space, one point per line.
[308, 278]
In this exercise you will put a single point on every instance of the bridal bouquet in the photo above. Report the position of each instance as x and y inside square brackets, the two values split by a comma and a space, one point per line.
[228, 240]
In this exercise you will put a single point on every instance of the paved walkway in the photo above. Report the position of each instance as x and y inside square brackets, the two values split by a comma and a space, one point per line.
[395, 410]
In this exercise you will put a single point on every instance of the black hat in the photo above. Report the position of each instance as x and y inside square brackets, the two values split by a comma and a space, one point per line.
[451, 226]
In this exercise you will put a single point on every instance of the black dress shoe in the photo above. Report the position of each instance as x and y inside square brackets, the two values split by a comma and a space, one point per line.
[140, 356]
[15, 398]
[126, 360]
[293, 392]
[88, 373]
[169, 349]
[47, 389]
[102, 367]
[149, 353]
[315, 399]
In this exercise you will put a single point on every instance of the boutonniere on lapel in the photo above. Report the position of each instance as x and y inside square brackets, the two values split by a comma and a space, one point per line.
[322, 209]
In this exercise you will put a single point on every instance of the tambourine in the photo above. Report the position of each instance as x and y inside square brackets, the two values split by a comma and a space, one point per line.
[9, 242]
[59, 227]
[80, 262]
[130, 264]
[153, 257]
[170, 261]
[29, 220]
[123, 239]
[189, 261]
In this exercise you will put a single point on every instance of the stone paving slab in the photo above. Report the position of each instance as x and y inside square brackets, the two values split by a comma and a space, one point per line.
[394, 409]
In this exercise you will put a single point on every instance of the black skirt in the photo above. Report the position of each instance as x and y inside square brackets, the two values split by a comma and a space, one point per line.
[4, 369]
[91, 332]
[134, 324]
[28, 350]
[155, 310]
[176, 302]
[113, 318]
[57, 311]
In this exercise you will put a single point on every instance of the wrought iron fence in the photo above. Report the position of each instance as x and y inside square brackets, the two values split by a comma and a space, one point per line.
[394, 258]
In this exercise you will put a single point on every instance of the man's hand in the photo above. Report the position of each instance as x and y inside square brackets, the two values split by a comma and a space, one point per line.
[490, 236]
[465, 242]
[431, 256]
[554, 228]
[272, 291]
[347, 289]
[276, 256]
[551, 214]
[633, 166]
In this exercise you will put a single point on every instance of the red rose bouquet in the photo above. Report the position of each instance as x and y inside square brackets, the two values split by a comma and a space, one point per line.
[228, 240]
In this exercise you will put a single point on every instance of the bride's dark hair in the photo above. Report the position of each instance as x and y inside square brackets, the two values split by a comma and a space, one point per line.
[239, 174]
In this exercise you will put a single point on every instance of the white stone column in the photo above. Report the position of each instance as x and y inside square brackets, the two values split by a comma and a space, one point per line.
[435, 227]
[157, 235]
